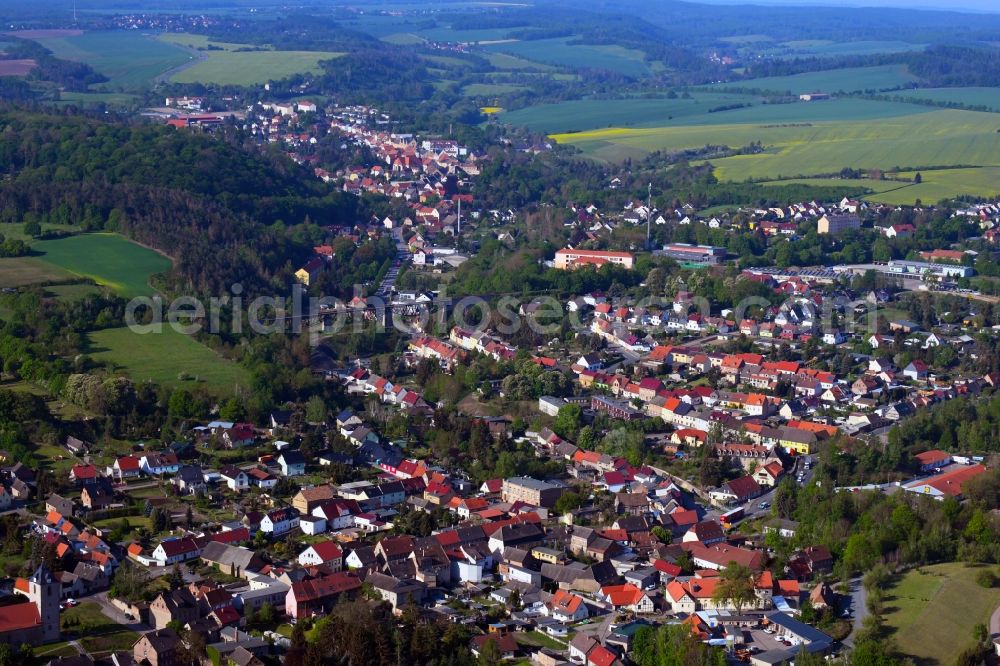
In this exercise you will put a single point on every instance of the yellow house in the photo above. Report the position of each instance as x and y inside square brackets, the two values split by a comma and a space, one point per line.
[797, 441]
[310, 272]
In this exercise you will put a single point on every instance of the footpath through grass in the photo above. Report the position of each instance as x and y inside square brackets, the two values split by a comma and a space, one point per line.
[932, 610]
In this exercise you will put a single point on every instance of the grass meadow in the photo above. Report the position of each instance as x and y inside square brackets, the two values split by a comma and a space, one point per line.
[931, 611]
[108, 259]
[163, 357]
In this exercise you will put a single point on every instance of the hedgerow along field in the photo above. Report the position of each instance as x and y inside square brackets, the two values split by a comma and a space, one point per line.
[108, 259]
[167, 358]
[971, 96]
[129, 59]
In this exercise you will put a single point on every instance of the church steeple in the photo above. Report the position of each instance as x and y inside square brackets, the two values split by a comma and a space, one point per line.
[44, 591]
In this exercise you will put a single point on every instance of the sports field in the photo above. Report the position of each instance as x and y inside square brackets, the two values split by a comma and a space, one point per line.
[849, 79]
[245, 68]
[163, 357]
[560, 52]
[129, 59]
[932, 611]
[108, 259]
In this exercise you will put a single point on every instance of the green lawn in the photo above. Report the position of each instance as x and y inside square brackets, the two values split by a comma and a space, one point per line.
[162, 357]
[97, 633]
[109, 259]
[246, 68]
[539, 639]
[129, 59]
[932, 610]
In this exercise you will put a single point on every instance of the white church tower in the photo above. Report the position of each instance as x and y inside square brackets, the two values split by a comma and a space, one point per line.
[44, 591]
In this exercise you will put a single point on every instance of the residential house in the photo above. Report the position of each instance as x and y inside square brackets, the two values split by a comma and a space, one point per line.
[326, 553]
[292, 463]
[234, 478]
[280, 521]
[173, 551]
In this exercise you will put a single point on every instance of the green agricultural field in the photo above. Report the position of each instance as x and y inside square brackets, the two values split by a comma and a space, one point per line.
[505, 61]
[944, 184]
[578, 115]
[560, 52]
[108, 259]
[163, 357]
[932, 610]
[190, 41]
[129, 59]
[986, 97]
[850, 79]
[798, 148]
[687, 113]
[490, 89]
[247, 68]
[825, 48]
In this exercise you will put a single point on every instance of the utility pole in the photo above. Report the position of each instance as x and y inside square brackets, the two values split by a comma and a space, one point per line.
[649, 211]
[459, 232]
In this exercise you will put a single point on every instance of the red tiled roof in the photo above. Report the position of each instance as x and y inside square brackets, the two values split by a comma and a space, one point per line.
[18, 616]
[327, 550]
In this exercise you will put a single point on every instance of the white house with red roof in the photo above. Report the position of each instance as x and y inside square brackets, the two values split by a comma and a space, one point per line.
[564, 606]
[324, 552]
[172, 551]
[628, 597]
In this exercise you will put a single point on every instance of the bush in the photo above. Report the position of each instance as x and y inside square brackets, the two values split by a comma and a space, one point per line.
[986, 578]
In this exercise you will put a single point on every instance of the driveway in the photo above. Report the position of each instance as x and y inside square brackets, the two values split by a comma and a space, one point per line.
[112, 612]
[858, 605]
